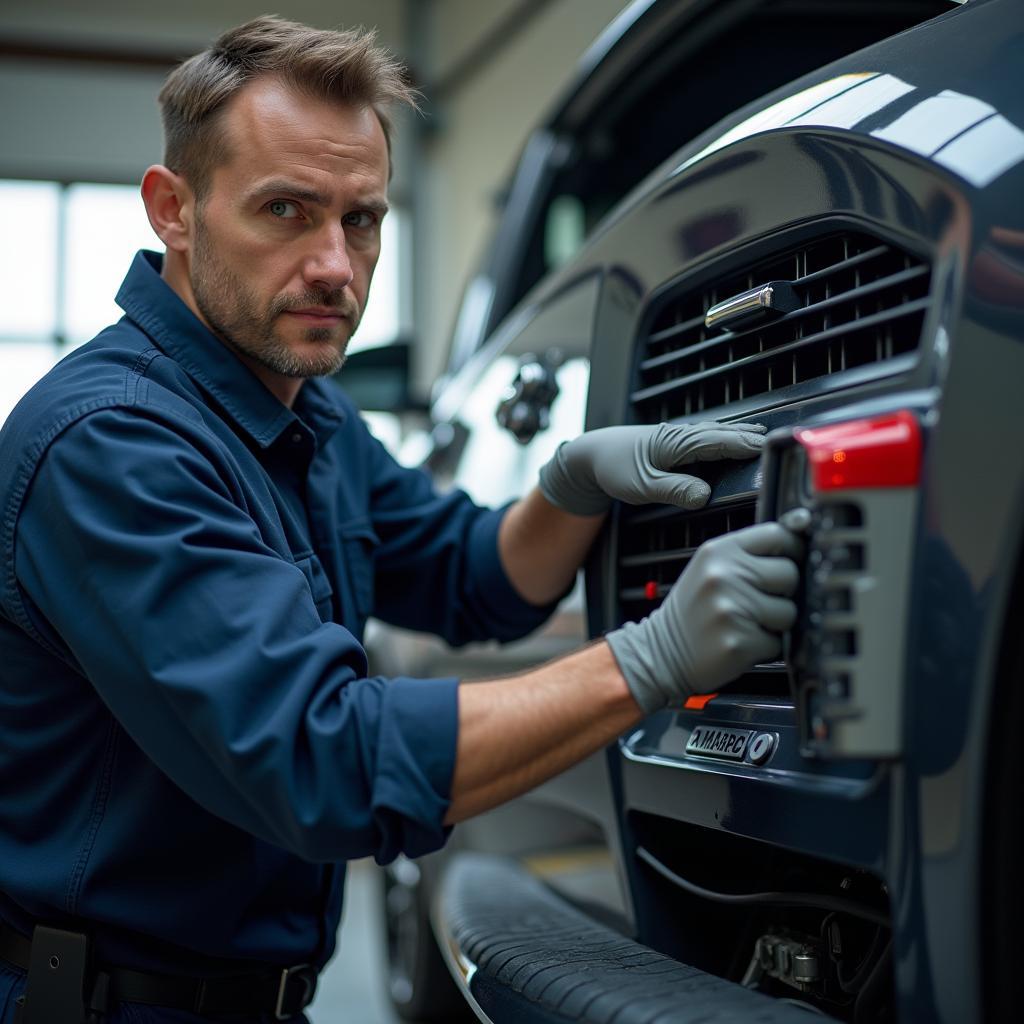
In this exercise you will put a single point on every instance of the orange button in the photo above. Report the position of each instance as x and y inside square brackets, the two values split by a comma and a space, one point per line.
[699, 701]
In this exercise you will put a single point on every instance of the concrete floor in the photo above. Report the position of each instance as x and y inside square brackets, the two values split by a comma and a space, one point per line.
[352, 987]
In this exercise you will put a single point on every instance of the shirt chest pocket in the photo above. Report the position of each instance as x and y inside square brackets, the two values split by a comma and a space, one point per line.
[319, 585]
[358, 546]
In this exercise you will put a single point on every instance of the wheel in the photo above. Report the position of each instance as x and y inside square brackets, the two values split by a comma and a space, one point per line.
[419, 984]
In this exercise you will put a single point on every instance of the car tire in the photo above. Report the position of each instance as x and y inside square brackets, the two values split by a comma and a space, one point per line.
[420, 987]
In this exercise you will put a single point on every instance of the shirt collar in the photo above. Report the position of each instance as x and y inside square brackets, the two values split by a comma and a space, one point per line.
[319, 405]
[152, 304]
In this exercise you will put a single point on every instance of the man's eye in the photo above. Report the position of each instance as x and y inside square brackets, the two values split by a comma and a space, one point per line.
[283, 209]
[360, 219]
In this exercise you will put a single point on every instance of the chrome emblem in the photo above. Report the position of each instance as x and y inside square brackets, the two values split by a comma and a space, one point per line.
[718, 742]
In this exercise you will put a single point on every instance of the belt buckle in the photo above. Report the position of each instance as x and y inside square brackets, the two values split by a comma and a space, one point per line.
[305, 974]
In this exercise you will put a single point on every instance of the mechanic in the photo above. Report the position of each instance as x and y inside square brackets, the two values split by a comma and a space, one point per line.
[195, 528]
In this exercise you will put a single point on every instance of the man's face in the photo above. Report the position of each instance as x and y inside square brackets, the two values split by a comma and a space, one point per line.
[288, 234]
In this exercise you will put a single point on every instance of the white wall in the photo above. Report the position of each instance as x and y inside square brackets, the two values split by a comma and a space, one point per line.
[483, 126]
[88, 120]
[69, 121]
[184, 25]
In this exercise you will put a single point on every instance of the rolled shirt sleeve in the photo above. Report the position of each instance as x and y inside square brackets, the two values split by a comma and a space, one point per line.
[206, 645]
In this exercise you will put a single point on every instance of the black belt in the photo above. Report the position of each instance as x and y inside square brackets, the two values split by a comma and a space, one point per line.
[279, 992]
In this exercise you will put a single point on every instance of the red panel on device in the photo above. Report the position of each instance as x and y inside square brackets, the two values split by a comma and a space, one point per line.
[884, 451]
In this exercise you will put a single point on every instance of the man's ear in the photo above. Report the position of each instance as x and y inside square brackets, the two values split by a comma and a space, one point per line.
[170, 206]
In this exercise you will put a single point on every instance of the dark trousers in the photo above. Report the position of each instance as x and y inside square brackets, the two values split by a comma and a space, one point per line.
[12, 985]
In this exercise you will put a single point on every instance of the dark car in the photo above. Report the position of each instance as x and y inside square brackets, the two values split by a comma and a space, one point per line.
[841, 259]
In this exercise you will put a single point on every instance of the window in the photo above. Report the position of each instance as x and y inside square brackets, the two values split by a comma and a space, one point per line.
[28, 260]
[104, 226]
[65, 251]
[381, 322]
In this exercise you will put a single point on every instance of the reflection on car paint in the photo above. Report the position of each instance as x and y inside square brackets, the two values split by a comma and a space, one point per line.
[927, 126]
[781, 113]
[985, 151]
[960, 132]
[854, 105]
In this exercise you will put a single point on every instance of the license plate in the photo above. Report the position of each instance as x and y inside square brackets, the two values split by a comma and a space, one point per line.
[713, 741]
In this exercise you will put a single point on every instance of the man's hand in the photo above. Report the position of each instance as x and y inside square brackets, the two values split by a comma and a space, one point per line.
[639, 465]
[722, 616]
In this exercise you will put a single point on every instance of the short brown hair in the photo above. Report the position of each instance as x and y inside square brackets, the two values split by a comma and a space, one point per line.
[342, 66]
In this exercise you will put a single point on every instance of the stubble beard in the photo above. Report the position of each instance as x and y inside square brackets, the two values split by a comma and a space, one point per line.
[234, 313]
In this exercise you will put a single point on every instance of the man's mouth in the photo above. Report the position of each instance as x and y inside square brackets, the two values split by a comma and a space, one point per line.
[322, 315]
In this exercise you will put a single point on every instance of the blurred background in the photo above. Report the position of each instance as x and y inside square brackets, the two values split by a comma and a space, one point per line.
[79, 124]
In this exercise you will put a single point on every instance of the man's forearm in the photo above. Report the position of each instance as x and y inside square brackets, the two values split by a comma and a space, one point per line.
[542, 547]
[517, 732]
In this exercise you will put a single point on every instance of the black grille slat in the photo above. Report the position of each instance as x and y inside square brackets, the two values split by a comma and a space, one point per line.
[640, 593]
[853, 295]
[864, 323]
[852, 261]
[653, 558]
[671, 332]
[646, 515]
[656, 545]
[863, 303]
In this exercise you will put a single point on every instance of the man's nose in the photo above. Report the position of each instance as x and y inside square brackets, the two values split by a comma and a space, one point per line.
[329, 266]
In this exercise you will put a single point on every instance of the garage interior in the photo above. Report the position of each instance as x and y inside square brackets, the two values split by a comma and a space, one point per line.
[861, 206]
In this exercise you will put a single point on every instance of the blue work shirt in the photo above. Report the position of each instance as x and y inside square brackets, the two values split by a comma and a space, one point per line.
[190, 747]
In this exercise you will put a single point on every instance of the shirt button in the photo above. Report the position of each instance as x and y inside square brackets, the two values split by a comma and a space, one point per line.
[296, 438]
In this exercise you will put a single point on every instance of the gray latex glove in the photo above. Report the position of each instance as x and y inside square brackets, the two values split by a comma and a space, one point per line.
[639, 465]
[721, 617]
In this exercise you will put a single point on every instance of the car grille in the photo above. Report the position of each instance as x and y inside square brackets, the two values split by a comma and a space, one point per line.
[863, 303]
[655, 546]
[862, 307]
[657, 542]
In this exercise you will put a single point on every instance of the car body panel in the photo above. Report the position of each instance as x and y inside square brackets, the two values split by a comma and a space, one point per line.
[919, 141]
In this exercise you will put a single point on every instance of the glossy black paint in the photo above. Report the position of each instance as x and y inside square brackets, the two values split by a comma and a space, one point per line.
[706, 40]
[917, 823]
